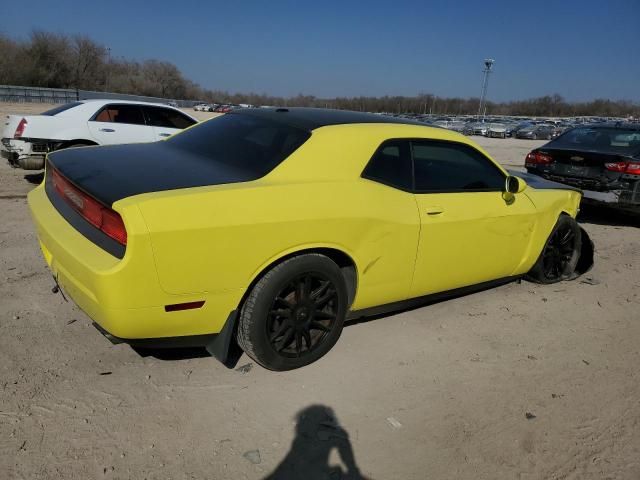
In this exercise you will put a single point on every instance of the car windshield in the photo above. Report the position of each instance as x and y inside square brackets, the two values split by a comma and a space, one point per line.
[60, 109]
[615, 140]
[244, 142]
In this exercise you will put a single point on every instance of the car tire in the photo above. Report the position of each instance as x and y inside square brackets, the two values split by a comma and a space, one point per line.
[560, 255]
[294, 314]
[76, 145]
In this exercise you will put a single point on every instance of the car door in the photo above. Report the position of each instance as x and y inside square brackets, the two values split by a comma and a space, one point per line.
[166, 121]
[469, 233]
[120, 123]
[391, 244]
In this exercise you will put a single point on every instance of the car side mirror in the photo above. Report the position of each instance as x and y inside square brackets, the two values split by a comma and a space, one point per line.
[514, 184]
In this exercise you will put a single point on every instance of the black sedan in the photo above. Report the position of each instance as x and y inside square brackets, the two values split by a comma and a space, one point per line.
[536, 132]
[602, 159]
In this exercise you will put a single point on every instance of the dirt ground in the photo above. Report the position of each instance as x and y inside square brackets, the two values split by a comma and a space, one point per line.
[519, 382]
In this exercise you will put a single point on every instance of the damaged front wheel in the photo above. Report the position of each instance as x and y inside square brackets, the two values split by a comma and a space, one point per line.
[561, 253]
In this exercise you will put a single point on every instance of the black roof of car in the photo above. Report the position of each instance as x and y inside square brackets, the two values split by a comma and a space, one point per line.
[312, 118]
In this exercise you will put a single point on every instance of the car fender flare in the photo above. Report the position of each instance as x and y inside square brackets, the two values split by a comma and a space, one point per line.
[224, 347]
[350, 266]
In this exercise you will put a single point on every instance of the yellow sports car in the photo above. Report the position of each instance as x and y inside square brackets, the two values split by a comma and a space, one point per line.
[271, 226]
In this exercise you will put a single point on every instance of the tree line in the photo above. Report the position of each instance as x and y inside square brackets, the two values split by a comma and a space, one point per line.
[56, 60]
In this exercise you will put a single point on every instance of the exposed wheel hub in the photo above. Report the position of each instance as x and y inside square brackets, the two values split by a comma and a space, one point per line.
[558, 252]
[302, 315]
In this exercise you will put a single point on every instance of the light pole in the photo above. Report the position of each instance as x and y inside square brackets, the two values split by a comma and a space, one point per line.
[106, 87]
[482, 109]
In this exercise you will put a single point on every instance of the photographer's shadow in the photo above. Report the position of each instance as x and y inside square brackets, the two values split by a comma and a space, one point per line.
[317, 434]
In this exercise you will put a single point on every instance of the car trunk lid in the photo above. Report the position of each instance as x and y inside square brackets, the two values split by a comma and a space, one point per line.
[111, 173]
[582, 164]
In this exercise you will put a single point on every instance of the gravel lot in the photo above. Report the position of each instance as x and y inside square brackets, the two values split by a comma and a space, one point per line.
[518, 382]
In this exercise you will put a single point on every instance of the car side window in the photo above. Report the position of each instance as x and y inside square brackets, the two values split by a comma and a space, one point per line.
[453, 167]
[131, 114]
[168, 118]
[391, 165]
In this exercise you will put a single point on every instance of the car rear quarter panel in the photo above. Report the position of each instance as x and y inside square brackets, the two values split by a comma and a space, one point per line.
[55, 128]
[220, 239]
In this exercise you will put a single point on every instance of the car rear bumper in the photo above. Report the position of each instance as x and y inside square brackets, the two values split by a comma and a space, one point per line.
[24, 154]
[122, 296]
[626, 198]
[12, 157]
[11, 150]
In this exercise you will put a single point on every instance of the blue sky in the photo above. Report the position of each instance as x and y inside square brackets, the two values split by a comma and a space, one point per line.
[581, 49]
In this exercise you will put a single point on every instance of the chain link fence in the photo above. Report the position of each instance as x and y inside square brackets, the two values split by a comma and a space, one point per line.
[12, 93]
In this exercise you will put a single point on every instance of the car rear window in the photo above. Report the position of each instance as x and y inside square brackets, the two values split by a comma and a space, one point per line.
[617, 140]
[248, 143]
[60, 109]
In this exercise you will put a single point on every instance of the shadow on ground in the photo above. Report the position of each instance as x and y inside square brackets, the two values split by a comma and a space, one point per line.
[172, 354]
[318, 433]
[187, 353]
[35, 178]
[604, 215]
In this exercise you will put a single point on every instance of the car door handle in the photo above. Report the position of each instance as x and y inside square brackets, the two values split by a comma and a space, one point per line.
[434, 210]
[107, 130]
[164, 134]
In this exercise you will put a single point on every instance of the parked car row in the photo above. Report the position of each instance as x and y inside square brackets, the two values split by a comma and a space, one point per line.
[27, 139]
[219, 107]
[503, 127]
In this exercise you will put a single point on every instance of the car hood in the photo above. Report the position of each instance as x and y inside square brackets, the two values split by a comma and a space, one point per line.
[111, 173]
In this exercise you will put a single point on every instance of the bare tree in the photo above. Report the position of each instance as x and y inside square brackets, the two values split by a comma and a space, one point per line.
[89, 61]
[59, 61]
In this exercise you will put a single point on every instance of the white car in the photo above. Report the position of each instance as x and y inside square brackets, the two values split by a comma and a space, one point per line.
[27, 139]
[497, 130]
[201, 107]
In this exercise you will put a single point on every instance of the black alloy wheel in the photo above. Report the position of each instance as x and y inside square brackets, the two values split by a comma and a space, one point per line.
[295, 313]
[302, 315]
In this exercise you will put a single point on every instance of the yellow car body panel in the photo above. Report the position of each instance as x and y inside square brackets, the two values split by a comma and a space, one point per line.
[211, 243]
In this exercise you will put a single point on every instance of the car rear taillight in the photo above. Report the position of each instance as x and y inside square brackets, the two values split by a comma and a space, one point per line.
[20, 129]
[537, 158]
[616, 166]
[101, 217]
[631, 168]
